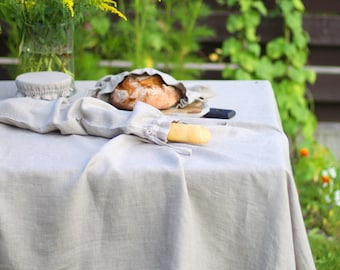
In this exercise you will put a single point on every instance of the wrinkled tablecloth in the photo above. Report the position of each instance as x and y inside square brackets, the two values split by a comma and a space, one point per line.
[70, 201]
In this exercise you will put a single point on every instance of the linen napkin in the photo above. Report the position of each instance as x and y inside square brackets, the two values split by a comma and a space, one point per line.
[85, 116]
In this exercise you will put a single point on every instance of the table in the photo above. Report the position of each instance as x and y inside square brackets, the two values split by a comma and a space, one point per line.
[88, 202]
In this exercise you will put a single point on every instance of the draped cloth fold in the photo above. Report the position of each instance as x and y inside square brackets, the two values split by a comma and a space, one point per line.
[92, 202]
[86, 116]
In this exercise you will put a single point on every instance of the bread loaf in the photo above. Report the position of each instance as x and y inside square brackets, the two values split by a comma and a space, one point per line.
[149, 89]
[187, 133]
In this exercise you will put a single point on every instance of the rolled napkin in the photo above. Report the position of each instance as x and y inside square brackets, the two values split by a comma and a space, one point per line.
[91, 116]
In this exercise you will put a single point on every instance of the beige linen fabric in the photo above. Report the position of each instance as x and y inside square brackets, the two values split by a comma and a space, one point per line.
[87, 202]
[86, 116]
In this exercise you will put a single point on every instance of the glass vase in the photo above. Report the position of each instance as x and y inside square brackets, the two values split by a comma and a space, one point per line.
[47, 47]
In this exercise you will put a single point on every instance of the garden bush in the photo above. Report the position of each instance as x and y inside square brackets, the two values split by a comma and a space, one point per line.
[282, 62]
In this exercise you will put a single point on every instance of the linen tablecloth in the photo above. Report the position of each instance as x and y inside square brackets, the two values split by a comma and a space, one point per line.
[88, 202]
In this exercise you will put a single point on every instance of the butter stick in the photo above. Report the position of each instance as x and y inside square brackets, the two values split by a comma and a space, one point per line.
[187, 133]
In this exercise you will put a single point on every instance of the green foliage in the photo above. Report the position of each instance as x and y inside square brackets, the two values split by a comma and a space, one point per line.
[39, 32]
[157, 34]
[325, 250]
[182, 33]
[317, 175]
[53, 11]
[88, 40]
[160, 34]
[139, 40]
[282, 62]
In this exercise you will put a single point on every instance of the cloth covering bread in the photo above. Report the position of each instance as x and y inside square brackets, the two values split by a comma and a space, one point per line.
[149, 89]
[175, 103]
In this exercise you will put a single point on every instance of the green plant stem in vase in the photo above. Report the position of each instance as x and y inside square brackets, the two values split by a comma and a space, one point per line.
[47, 47]
[46, 29]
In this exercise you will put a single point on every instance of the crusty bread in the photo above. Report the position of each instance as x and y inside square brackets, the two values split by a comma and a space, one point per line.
[149, 89]
[187, 133]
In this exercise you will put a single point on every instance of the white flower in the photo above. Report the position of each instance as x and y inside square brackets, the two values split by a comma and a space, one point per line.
[332, 172]
[337, 197]
[324, 172]
[328, 198]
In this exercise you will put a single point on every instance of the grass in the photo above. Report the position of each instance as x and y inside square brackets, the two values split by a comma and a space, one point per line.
[325, 249]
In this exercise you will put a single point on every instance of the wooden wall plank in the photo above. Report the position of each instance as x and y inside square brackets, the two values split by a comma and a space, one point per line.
[322, 6]
[327, 112]
[323, 29]
[326, 88]
[324, 55]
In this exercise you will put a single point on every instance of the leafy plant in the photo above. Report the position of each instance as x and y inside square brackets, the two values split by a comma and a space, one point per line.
[88, 40]
[140, 39]
[282, 62]
[53, 11]
[161, 35]
[43, 30]
[317, 174]
[325, 250]
[183, 29]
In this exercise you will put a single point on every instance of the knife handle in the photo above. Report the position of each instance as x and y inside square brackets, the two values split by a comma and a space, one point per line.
[220, 113]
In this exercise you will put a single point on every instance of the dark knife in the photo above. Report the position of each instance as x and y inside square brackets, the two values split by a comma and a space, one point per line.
[220, 113]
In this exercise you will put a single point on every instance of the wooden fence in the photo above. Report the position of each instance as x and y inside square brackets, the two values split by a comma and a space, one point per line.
[321, 21]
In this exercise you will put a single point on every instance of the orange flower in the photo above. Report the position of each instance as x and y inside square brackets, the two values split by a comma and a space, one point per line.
[304, 152]
[325, 178]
